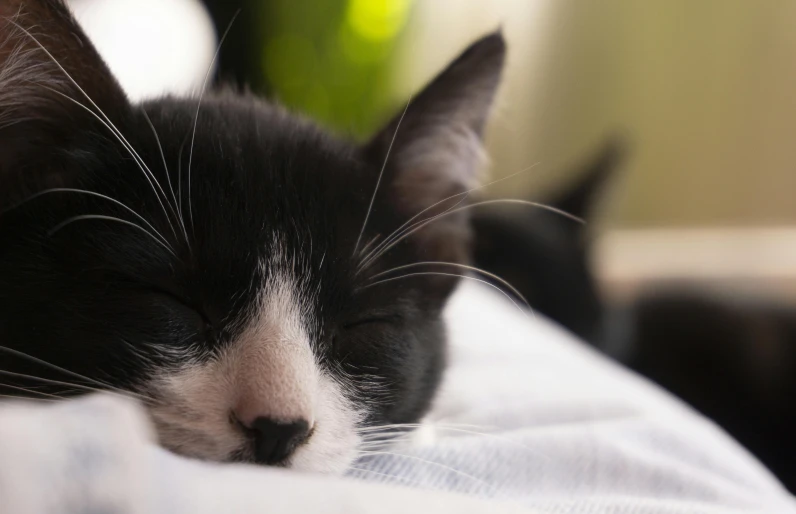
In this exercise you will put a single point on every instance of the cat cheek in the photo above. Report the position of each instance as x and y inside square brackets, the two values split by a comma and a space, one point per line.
[335, 440]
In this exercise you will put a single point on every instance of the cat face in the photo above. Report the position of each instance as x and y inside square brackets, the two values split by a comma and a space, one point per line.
[226, 262]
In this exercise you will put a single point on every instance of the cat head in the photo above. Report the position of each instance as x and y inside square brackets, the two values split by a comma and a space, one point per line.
[251, 277]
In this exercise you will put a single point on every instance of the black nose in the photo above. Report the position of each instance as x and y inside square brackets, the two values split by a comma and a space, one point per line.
[274, 442]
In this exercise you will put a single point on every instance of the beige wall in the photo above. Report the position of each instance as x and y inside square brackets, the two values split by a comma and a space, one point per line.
[706, 90]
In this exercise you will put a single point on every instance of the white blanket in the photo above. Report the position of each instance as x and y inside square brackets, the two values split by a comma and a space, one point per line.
[529, 420]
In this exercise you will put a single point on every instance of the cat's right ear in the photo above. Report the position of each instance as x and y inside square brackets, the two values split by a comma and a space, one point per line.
[435, 147]
[594, 175]
[55, 92]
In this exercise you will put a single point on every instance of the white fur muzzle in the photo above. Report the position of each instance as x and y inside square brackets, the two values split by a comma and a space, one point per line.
[268, 371]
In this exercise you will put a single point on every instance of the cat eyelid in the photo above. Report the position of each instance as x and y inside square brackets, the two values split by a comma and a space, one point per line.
[150, 286]
[182, 301]
[371, 320]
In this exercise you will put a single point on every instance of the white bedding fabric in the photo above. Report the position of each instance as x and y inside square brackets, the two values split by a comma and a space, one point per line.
[529, 420]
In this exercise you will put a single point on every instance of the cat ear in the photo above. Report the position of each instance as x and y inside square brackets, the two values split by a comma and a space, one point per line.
[48, 68]
[437, 149]
[580, 198]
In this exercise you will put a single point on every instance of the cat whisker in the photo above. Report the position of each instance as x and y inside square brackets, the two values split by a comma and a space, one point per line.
[199, 106]
[368, 387]
[179, 172]
[437, 273]
[408, 437]
[483, 272]
[381, 174]
[463, 194]
[107, 121]
[480, 271]
[109, 218]
[386, 436]
[150, 177]
[386, 443]
[91, 193]
[497, 437]
[66, 384]
[26, 398]
[377, 252]
[162, 154]
[65, 371]
[422, 424]
[168, 175]
[423, 223]
[391, 440]
[31, 391]
[404, 432]
[434, 464]
[407, 481]
[406, 427]
[373, 437]
[369, 243]
[381, 428]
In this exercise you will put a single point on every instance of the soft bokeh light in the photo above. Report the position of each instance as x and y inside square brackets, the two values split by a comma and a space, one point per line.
[153, 46]
[332, 60]
[379, 20]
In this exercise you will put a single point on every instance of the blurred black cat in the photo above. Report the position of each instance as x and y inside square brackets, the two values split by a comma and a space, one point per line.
[544, 255]
[733, 360]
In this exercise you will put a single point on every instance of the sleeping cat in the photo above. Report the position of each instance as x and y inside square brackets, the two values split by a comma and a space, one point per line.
[254, 280]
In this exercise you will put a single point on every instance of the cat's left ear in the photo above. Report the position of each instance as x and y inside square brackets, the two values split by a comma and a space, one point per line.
[437, 148]
[55, 93]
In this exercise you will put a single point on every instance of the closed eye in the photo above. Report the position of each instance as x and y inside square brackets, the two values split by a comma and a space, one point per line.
[374, 320]
[185, 304]
[151, 287]
[205, 319]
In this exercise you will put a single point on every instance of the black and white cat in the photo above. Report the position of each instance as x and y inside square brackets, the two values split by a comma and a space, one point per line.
[261, 285]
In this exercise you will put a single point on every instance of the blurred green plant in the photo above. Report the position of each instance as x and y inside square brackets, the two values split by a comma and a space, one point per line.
[332, 59]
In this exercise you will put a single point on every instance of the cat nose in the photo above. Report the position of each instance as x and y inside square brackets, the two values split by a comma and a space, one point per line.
[274, 442]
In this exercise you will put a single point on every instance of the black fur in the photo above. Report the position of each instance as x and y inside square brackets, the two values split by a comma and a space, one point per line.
[733, 360]
[103, 299]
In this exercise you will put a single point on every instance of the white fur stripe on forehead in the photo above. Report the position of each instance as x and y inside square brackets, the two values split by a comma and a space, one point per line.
[275, 369]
